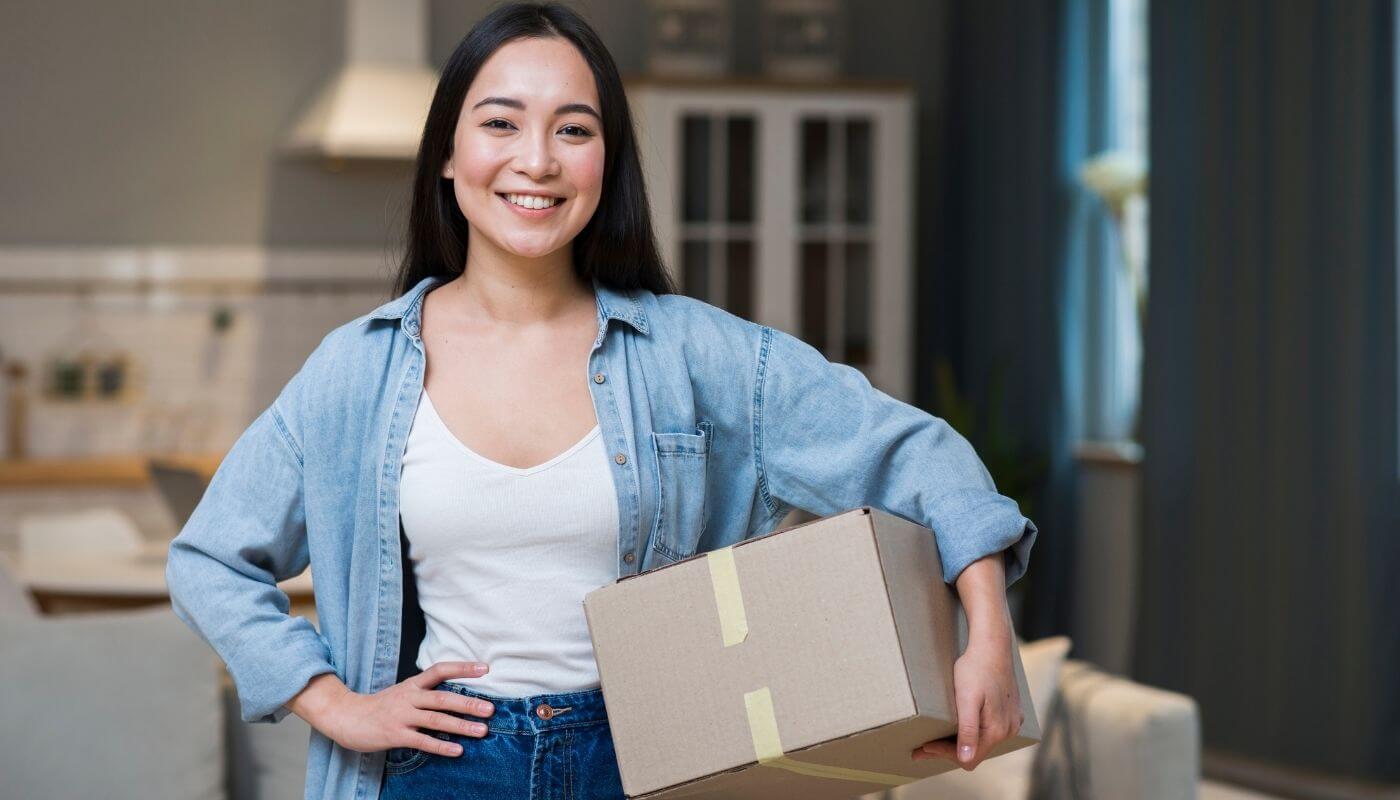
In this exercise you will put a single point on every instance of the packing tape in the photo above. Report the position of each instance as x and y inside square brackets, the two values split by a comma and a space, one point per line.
[763, 725]
[724, 577]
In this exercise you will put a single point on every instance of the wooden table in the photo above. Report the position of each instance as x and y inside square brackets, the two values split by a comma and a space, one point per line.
[74, 582]
[120, 471]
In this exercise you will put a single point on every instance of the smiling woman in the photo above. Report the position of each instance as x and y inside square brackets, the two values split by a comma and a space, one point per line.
[531, 108]
[528, 189]
[526, 150]
[536, 415]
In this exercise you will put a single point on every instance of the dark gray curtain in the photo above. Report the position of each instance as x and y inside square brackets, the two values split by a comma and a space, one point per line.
[1002, 279]
[1269, 421]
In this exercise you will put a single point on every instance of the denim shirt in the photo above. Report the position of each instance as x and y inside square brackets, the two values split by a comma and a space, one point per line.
[716, 427]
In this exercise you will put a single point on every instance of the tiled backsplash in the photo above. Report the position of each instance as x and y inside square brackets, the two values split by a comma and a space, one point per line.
[196, 387]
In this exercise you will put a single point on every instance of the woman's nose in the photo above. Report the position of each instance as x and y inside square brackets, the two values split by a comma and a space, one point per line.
[536, 157]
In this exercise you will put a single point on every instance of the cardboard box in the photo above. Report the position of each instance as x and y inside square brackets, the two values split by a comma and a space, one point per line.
[807, 663]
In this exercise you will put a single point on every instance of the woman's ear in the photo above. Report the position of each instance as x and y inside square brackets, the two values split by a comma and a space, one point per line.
[447, 169]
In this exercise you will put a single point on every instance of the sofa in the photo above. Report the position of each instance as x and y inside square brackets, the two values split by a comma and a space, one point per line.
[132, 704]
[1103, 737]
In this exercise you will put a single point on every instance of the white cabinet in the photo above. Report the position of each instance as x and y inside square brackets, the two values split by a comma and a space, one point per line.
[791, 206]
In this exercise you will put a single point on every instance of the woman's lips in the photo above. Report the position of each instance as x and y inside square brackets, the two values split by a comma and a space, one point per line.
[531, 213]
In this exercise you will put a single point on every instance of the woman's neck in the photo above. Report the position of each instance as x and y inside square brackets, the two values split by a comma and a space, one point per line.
[521, 292]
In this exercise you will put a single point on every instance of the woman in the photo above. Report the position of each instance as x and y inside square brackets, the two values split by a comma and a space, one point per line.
[535, 415]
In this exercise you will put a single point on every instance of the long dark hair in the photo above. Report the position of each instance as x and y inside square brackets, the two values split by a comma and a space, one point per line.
[617, 246]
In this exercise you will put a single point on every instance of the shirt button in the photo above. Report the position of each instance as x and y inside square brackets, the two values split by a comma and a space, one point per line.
[599, 378]
[629, 558]
[544, 711]
[620, 458]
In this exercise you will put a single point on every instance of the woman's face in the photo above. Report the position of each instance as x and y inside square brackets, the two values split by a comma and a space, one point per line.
[529, 133]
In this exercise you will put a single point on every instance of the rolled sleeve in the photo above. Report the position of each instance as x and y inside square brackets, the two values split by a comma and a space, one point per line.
[826, 441]
[247, 533]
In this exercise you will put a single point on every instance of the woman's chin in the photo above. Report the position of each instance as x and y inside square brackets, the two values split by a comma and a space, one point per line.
[531, 249]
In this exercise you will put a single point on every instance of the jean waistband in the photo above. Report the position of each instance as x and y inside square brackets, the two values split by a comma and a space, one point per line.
[536, 713]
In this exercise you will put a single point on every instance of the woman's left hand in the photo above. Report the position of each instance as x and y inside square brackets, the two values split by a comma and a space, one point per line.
[988, 702]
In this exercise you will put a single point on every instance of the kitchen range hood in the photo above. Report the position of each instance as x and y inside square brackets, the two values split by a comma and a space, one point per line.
[375, 107]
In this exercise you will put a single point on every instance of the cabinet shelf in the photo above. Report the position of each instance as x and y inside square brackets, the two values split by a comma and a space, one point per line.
[791, 206]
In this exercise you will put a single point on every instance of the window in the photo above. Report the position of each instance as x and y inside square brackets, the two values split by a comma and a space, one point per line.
[717, 210]
[1127, 85]
[835, 252]
[1109, 116]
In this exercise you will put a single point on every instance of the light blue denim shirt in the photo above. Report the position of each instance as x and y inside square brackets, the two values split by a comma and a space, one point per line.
[716, 427]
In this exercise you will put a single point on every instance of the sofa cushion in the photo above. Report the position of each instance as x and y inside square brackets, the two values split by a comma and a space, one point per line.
[1111, 738]
[111, 705]
[267, 761]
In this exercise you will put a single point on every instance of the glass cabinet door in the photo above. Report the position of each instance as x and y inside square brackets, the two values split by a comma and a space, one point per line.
[718, 154]
[835, 216]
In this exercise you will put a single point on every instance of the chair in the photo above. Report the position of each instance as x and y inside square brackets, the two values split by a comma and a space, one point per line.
[112, 705]
[180, 487]
[15, 600]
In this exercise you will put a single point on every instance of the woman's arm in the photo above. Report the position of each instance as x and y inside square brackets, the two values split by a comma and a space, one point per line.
[247, 533]
[987, 697]
[826, 441]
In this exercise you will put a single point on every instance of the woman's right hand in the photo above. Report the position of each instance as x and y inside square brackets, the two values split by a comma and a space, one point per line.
[391, 717]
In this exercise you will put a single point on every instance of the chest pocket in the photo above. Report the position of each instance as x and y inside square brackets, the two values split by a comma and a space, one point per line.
[681, 460]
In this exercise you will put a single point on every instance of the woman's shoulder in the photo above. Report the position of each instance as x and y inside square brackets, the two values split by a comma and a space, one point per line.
[348, 362]
[692, 318]
[707, 344]
[349, 345]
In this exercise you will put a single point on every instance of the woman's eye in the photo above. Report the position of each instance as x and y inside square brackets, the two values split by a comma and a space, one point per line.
[567, 130]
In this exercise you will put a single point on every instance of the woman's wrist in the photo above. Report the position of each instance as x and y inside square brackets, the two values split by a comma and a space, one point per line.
[989, 633]
[316, 699]
[982, 590]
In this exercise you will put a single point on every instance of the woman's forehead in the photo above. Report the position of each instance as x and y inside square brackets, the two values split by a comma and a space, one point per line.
[551, 72]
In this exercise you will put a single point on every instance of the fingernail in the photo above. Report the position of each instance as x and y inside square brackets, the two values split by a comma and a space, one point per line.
[965, 753]
[456, 750]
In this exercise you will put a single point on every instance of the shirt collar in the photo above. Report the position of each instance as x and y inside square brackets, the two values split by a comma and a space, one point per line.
[612, 304]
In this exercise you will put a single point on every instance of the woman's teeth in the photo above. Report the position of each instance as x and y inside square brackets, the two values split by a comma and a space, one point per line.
[533, 201]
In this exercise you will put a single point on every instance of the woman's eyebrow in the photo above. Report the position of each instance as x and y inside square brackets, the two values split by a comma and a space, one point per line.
[567, 108]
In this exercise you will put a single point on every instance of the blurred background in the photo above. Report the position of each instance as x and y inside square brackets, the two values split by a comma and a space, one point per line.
[1142, 254]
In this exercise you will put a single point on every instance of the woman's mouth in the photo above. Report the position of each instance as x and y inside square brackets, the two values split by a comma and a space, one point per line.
[531, 206]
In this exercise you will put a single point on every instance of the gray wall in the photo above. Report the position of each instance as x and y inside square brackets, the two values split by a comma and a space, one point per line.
[158, 121]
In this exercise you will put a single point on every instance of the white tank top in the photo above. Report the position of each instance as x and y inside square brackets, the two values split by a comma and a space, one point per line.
[503, 557]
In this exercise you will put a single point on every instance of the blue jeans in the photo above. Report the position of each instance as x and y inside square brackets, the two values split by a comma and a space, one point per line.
[545, 747]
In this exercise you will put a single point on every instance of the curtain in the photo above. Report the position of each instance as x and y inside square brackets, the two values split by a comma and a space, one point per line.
[1008, 198]
[1271, 532]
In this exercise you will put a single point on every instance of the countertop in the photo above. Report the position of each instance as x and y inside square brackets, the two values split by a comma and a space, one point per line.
[114, 471]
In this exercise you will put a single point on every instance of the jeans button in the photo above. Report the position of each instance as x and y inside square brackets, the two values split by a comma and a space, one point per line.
[544, 711]
[629, 558]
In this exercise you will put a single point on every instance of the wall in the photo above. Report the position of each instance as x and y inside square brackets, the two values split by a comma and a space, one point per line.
[158, 122]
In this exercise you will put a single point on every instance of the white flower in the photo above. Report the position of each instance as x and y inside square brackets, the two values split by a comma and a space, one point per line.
[1115, 176]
